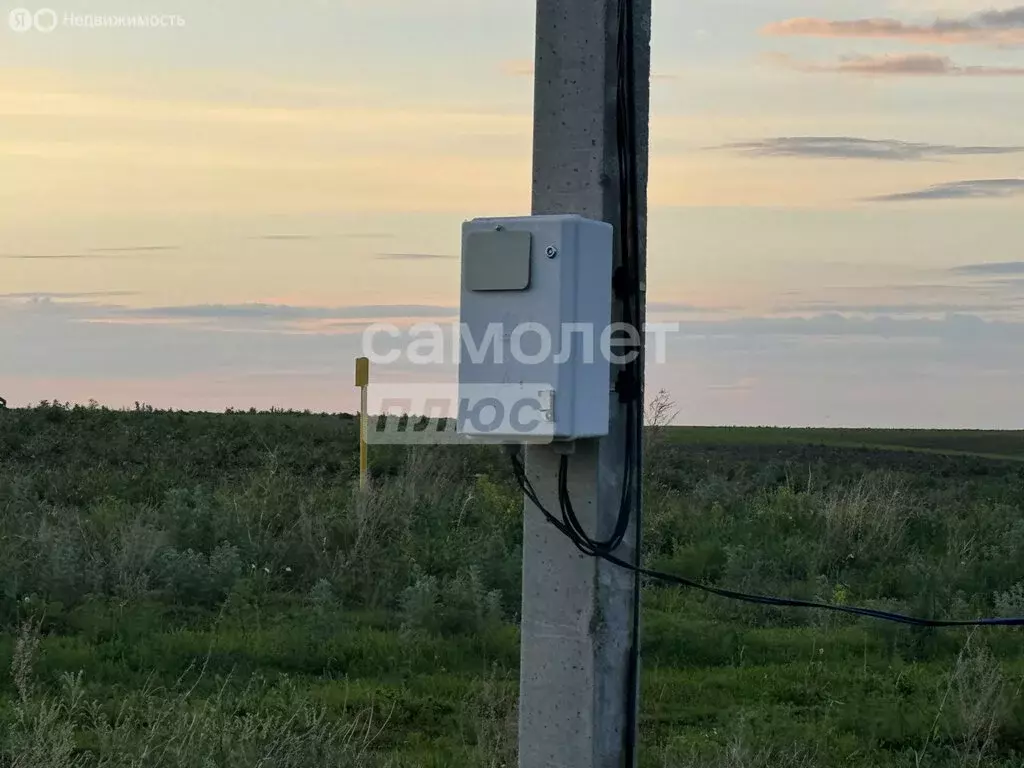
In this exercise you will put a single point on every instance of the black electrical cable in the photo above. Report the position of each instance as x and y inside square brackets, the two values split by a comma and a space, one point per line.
[632, 376]
[778, 602]
[630, 472]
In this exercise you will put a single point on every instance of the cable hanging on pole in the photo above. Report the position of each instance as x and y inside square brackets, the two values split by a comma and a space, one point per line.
[777, 602]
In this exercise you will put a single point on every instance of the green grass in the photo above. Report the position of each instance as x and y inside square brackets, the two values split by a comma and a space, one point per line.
[988, 444]
[214, 590]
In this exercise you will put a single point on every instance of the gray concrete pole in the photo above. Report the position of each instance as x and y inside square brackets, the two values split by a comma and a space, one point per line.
[577, 611]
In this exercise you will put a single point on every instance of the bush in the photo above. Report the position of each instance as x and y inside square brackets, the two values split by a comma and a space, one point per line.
[459, 605]
[192, 577]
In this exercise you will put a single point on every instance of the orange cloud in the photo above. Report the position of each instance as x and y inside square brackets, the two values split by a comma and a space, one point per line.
[998, 28]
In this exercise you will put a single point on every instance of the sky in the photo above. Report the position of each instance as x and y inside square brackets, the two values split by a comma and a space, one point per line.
[208, 213]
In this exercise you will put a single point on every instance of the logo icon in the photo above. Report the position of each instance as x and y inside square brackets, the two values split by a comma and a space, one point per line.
[23, 20]
[20, 19]
[45, 19]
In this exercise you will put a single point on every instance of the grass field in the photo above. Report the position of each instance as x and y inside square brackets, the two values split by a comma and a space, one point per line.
[989, 444]
[206, 590]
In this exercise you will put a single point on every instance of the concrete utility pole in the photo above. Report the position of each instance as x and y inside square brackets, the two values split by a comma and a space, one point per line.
[577, 611]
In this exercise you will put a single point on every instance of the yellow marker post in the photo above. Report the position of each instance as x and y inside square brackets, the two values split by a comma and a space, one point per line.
[363, 382]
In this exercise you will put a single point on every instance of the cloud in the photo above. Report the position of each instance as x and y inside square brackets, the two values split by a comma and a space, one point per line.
[93, 253]
[851, 148]
[954, 327]
[991, 268]
[825, 319]
[285, 312]
[412, 256]
[910, 64]
[897, 309]
[1002, 285]
[959, 190]
[675, 306]
[135, 249]
[78, 347]
[46, 256]
[822, 370]
[994, 27]
[297, 237]
[254, 316]
[65, 296]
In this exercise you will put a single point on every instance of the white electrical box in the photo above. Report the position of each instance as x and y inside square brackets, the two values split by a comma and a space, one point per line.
[536, 305]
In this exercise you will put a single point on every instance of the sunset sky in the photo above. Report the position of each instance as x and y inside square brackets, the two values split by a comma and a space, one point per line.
[207, 215]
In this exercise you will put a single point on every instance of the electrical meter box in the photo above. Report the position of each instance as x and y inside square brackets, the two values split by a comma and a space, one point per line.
[535, 307]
